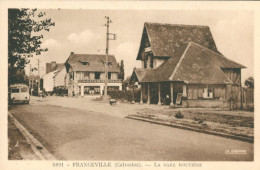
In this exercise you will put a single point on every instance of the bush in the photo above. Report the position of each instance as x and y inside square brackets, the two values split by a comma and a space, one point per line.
[125, 95]
[179, 115]
[35, 91]
[60, 90]
[129, 95]
[199, 120]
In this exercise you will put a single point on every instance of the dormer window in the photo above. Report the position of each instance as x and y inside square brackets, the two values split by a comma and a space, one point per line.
[109, 63]
[85, 63]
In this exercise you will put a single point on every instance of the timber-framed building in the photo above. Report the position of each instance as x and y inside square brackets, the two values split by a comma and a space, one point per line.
[86, 74]
[182, 63]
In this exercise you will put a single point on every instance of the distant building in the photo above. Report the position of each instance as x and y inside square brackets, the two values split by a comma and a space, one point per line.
[56, 77]
[52, 66]
[86, 74]
[183, 62]
[60, 78]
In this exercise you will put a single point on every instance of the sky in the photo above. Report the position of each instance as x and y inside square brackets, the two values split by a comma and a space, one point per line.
[81, 31]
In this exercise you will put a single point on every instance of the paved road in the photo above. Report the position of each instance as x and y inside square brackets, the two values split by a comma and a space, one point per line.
[73, 134]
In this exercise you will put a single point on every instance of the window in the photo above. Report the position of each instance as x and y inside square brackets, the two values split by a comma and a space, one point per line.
[71, 75]
[97, 75]
[85, 75]
[24, 89]
[86, 90]
[109, 75]
[145, 61]
[85, 63]
[15, 90]
[78, 75]
[97, 89]
[109, 63]
[208, 91]
[151, 61]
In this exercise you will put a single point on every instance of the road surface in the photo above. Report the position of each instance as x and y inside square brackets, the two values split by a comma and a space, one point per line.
[74, 134]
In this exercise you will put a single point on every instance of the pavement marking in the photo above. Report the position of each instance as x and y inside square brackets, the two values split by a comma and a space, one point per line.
[36, 146]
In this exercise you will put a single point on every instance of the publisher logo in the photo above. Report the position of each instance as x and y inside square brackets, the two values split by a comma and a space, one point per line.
[235, 151]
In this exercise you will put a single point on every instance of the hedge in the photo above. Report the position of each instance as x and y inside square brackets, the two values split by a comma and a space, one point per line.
[125, 95]
[60, 90]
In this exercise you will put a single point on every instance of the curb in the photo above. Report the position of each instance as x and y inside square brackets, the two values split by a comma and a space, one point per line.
[245, 139]
[36, 146]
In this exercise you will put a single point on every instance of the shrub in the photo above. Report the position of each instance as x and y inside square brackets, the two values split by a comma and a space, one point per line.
[129, 95]
[125, 95]
[199, 120]
[35, 91]
[116, 94]
[179, 115]
[60, 90]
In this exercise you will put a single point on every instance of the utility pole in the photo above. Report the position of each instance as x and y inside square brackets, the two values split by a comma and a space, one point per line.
[39, 80]
[107, 50]
[30, 74]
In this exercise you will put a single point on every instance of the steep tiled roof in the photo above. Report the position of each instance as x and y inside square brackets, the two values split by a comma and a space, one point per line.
[141, 73]
[54, 66]
[166, 39]
[95, 62]
[60, 66]
[197, 64]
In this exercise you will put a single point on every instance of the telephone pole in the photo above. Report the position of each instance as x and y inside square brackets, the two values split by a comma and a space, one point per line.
[30, 75]
[107, 50]
[39, 80]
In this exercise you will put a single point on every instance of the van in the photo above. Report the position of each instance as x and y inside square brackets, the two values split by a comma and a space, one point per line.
[19, 93]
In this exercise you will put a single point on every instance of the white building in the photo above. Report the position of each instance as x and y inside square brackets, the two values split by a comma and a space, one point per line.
[60, 78]
[54, 79]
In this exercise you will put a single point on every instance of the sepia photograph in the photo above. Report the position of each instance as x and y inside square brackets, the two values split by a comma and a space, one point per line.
[111, 88]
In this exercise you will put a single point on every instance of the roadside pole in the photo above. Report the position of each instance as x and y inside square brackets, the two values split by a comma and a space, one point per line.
[39, 80]
[30, 76]
[105, 97]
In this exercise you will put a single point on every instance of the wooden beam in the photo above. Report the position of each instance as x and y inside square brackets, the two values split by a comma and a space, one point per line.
[171, 104]
[148, 93]
[141, 95]
[159, 93]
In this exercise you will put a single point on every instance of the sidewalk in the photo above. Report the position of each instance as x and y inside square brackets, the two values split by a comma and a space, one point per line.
[18, 147]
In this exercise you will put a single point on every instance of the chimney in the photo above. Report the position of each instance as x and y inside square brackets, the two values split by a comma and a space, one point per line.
[71, 52]
[53, 65]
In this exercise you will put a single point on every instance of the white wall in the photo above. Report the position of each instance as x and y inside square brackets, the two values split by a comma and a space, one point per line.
[48, 82]
[60, 78]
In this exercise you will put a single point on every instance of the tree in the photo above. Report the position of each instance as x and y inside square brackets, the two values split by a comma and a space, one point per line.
[24, 41]
[249, 82]
[121, 66]
[18, 77]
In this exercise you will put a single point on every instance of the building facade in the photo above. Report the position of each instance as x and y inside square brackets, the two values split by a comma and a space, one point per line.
[181, 65]
[86, 74]
[60, 78]
[55, 78]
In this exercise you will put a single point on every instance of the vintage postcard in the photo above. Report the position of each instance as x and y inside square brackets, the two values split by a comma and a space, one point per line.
[122, 85]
